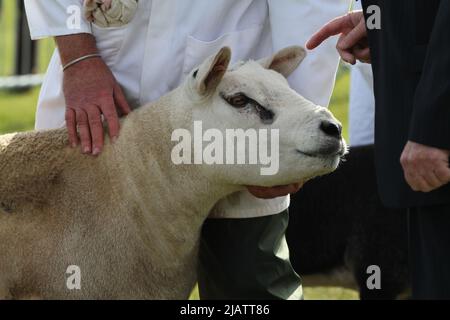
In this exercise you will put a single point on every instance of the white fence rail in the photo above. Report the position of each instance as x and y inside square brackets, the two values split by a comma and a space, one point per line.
[21, 82]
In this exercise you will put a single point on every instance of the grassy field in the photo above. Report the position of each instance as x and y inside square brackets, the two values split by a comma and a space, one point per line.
[17, 110]
[17, 113]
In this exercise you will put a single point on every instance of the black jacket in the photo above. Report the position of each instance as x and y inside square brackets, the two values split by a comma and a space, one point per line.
[411, 66]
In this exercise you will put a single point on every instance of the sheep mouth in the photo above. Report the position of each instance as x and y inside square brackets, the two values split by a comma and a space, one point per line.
[323, 155]
[326, 151]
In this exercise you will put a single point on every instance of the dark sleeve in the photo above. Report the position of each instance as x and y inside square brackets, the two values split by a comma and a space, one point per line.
[430, 122]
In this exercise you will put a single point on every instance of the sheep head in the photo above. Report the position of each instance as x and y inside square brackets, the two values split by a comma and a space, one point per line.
[269, 133]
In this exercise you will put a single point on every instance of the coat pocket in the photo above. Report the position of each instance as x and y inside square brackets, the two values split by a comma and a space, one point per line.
[109, 41]
[244, 44]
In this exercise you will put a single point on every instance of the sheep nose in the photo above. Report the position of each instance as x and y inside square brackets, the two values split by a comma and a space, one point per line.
[331, 129]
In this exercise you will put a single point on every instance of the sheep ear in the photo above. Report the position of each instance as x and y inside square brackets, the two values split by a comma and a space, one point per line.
[285, 61]
[212, 71]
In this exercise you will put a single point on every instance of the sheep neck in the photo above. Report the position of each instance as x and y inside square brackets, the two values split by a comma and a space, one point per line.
[182, 192]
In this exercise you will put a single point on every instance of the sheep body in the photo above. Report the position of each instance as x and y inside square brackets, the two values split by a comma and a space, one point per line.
[47, 187]
[130, 219]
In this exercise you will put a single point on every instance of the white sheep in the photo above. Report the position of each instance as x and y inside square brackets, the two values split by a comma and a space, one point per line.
[130, 219]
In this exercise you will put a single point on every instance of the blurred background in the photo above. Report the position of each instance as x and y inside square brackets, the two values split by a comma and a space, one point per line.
[23, 63]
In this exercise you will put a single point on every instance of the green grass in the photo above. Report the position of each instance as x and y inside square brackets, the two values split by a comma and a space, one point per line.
[339, 99]
[17, 110]
[329, 293]
[7, 20]
[319, 293]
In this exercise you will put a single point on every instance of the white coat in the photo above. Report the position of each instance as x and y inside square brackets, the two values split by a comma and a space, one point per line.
[361, 106]
[168, 38]
[362, 102]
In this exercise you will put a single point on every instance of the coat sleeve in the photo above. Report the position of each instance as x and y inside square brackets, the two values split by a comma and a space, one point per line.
[49, 18]
[430, 122]
[293, 22]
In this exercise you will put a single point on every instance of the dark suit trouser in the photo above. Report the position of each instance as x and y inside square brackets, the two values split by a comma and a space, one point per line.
[429, 234]
[247, 259]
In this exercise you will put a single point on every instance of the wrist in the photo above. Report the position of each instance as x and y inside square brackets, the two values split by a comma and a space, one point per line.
[72, 47]
[80, 59]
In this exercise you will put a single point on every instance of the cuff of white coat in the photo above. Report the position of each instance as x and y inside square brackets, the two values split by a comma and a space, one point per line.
[270, 207]
[41, 33]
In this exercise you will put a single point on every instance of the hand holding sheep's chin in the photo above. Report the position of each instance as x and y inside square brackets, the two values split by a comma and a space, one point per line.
[352, 44]
[425, 168]
[90, 91]
[274, 192]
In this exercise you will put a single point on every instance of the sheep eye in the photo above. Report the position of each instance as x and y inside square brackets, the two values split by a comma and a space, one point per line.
[239, 100]
[265, 115]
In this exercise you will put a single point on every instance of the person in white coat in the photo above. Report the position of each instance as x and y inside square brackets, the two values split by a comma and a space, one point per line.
[121, 54]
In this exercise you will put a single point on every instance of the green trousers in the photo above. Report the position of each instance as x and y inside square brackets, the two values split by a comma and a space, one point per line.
[247, 259]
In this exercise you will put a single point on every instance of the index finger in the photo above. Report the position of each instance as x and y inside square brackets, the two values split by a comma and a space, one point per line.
[332, 28]
[354, 36]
